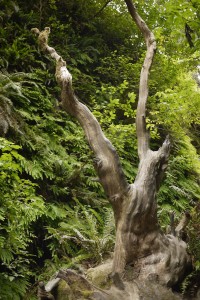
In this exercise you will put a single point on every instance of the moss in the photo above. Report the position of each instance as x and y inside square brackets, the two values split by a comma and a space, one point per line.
[99, 275]
[86, 294]
[64, 291]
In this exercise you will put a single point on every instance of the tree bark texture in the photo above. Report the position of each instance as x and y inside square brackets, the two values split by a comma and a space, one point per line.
[139, 239]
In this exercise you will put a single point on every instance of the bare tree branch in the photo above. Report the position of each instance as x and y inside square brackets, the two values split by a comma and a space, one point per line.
[106, 159]
[42, 293]
[142, 133]
[188, 35]
[70, 275]
[51, 284]
[172, 225]
[183, 223]
[102, 8]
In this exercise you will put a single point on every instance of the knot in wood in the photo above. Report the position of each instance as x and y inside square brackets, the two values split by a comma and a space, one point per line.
[115, 197]
[63, 76]
[98, 162]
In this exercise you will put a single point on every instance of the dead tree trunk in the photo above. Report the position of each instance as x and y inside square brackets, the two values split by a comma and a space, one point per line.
[139, 239]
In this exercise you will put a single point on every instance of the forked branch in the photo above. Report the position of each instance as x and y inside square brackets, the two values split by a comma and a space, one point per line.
[142, 132]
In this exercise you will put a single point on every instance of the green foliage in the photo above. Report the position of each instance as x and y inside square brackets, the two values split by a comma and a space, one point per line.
[86, 234]
[13, 289]
[114, 107]
[112, 104]
[194, 232]
[19, 209]
[42, 178]
[176, 111]
[190, 284]
[180, 190]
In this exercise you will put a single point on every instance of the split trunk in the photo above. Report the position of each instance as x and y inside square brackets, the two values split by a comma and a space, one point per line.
[140, 243]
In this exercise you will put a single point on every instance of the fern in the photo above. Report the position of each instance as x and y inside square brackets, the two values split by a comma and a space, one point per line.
[13, 288]
[180, 191]
[20, 209]
[86, 232]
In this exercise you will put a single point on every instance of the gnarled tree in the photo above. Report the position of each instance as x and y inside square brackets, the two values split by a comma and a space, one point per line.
[139, 239]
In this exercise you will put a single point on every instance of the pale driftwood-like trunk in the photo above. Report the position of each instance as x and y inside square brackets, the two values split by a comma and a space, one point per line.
[139, 240]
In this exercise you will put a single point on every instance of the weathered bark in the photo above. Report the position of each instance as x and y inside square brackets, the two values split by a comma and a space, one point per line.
[139, 240]
[43, 294]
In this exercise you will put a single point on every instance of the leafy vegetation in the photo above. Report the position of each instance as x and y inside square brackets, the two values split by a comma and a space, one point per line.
[85, 234]
[20, 208]
[52, 206]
